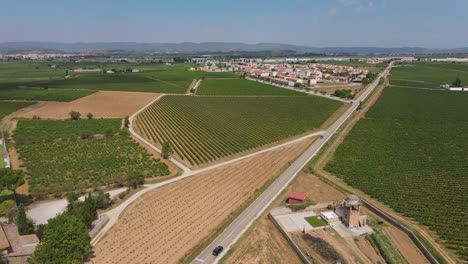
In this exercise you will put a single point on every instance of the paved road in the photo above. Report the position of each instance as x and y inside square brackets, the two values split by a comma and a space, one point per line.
[233, 232]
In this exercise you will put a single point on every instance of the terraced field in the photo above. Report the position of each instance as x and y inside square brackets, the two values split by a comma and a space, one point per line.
[428, 75]
[239, 87]
[411, 152]
[202, 129]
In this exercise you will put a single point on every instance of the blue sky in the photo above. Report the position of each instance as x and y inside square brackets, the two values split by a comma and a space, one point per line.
[319, 23]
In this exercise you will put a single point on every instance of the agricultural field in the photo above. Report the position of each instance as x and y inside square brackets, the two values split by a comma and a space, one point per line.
[102, 104]
[58, 95]
[118, 82]
[242, 87]
[34, 130]
[188, 211]
[69, 163]
[428, 74]
[411, 152]
[202, 129]
[7, 108]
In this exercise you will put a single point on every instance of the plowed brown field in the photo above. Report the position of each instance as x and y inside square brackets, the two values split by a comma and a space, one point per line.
[103, 104]
[163, 225]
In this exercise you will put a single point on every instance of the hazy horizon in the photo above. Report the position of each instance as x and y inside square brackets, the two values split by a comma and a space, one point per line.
[337, 23]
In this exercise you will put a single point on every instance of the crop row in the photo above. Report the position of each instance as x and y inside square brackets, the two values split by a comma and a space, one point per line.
[411, 152]
[241, 87]
[58, 95]
[76, 164]
[204, 129]
[34, 130]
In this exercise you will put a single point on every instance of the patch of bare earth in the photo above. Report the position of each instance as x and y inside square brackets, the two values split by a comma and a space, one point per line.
[406, 247]
[264, 243]
[166, 223]
[103, 104]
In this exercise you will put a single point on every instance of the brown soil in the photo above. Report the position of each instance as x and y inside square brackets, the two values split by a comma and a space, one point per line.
[103, 104]
[168, 222]
[265, 244]
[406, 247]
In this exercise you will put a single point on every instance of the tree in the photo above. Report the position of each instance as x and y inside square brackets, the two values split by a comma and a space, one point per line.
[10, 179]
[65, 240]
[166, 150]
[74, 115]
[127, 122]
[135, 178]
[102, 199]
[457, 83]
[25, 225]
[89, 115]
[83, 210]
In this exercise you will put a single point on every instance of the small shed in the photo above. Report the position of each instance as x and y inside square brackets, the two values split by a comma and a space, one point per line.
[296, 198]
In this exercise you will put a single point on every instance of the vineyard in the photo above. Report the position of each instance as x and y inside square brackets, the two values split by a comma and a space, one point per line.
[76, 164]
[58, 95]
[118, 82]
[33, 130]
[202, 129]
[173, 219]
[7, 108]
[242, 87]
[411, 152]
[428, 75]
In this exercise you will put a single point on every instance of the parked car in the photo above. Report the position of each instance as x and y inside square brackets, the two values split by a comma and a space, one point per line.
[217, 250]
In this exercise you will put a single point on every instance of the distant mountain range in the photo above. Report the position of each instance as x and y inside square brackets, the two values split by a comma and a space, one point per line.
[206, 47]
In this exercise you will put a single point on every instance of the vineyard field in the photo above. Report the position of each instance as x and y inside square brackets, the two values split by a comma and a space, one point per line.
[118, 82]
[428, 75]
[58, 95]
[411, 152]
[76, 164]
[7, 108]
[202, 129]
[33, 130]
[238, 87]
[406, 103]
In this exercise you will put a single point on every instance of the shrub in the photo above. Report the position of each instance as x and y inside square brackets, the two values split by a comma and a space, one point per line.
[89, 116]
[6, 195]
[6, 206]
[74, 115]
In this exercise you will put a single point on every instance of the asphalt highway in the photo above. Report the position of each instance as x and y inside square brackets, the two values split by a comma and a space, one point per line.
[233, 232]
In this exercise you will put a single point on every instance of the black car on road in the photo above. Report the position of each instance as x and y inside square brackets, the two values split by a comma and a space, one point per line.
[217, 250]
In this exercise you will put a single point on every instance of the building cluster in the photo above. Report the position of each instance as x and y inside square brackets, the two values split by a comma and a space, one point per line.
[291, 74]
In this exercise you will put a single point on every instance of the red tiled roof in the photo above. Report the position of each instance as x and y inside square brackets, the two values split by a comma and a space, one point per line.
[297, 196]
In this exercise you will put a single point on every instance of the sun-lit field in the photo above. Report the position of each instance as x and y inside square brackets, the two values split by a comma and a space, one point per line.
[240, 87]
[411, 152]
[202, 129]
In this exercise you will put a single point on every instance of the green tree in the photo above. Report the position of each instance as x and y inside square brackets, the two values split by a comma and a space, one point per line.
[134, 179]
[127, 122]
[83, 210]
[457, 83]
[10, 179]
[166, 150]
[25, 225]
[74, 115]
[65, 240]
[89, 115]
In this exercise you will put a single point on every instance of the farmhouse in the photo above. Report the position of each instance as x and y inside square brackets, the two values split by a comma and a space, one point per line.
[15, 247]
[296, 198]
[349, 212]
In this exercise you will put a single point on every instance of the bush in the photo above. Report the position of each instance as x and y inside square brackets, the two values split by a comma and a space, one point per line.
[89, 116]
[6, 195]
[74, 115]
[6, 206]
[87, 135]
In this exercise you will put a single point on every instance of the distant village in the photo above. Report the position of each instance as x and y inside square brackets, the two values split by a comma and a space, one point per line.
[290, 74]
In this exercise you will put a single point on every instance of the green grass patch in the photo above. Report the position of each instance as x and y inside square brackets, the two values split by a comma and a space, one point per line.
[34, 130]
[7, 108]
[43, 94]
[316, 221]
[202, 129]
[239, 87]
